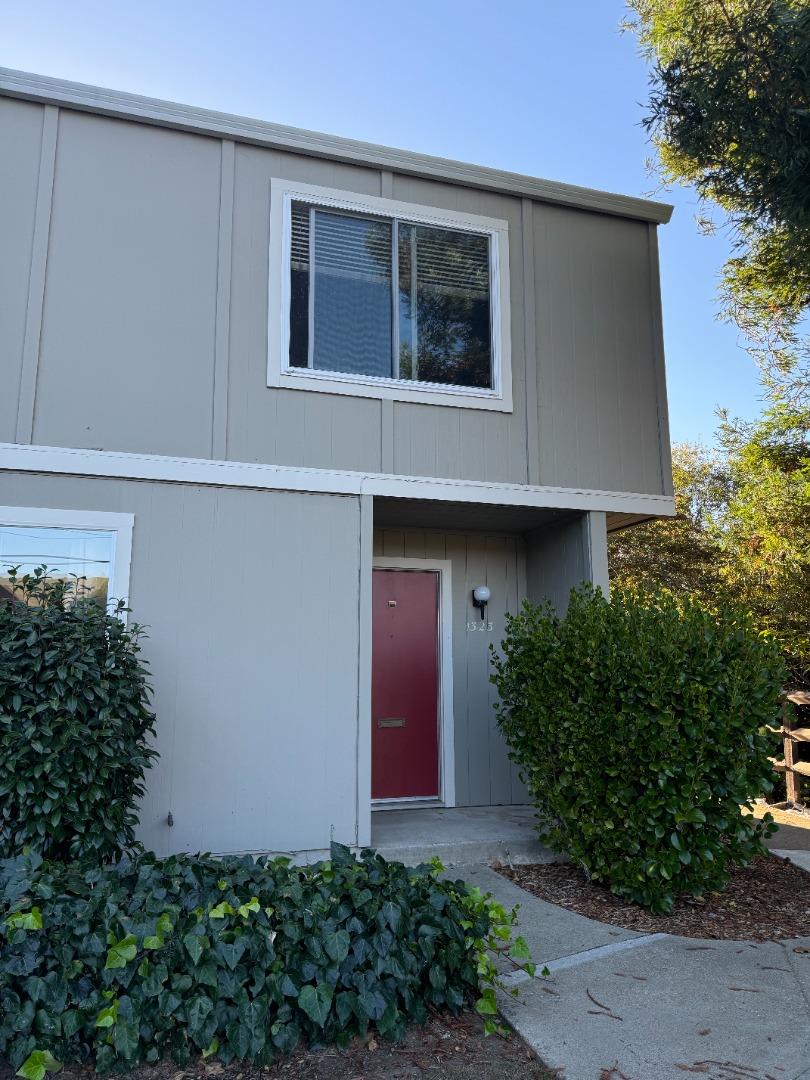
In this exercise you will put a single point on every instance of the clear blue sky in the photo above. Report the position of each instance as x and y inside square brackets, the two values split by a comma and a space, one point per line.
[549, 89]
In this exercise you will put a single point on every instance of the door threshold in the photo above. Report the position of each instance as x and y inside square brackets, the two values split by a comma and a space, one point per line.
[416, 803]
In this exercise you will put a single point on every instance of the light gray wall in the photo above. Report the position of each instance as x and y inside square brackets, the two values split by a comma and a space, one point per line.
[484, 774]
[153, 332]
[127, 357]
[599, 387]
[252, 603]
[20, 129]
[564, 554]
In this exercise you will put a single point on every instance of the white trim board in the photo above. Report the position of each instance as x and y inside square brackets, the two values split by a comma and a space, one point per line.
[15, 457]
[447, 758]
[120, 525]
[169, 114]
[279, 374]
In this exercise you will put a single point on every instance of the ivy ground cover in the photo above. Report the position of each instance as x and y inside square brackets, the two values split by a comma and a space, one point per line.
[233, 958]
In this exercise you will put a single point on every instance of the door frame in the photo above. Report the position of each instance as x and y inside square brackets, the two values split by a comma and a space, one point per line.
[447, 763]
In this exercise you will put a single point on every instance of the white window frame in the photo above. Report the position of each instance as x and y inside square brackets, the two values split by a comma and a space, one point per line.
[279, 373]
[120, 525]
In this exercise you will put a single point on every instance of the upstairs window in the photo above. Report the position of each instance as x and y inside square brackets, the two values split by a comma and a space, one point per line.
[387, 299]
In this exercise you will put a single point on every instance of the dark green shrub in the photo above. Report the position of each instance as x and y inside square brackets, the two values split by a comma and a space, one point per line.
[636, 725]
[233, 957]
[74, 723]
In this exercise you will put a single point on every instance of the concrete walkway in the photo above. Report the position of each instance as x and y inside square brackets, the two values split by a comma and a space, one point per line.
[619, 1005]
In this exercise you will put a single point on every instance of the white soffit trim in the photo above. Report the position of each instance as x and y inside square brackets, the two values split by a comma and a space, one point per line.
[119, 465]
[105, 102]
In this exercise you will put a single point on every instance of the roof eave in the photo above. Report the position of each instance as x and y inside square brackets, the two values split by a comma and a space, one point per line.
[115, 103]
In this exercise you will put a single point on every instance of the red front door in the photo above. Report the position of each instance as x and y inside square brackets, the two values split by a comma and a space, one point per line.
[405, 684]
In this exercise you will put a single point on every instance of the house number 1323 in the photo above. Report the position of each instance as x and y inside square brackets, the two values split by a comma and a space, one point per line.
[484, 627]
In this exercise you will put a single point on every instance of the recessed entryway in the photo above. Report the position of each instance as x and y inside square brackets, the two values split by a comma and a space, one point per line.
[411, 699]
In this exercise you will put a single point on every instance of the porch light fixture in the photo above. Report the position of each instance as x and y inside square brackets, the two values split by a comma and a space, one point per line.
[480, 598]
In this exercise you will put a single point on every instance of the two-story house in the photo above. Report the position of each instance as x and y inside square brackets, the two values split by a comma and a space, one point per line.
[298, 398]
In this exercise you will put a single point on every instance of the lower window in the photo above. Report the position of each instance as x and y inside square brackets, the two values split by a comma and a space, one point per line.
[93, 547]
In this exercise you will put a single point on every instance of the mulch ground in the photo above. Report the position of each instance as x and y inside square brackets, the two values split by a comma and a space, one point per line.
[766, 901]
[447, 1048]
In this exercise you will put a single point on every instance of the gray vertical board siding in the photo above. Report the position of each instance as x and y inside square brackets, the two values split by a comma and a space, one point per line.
[36, 276]
[285, 427]
[598, 552]
[363, 727]
[557, 559]
[597, 353]
[474, 444]
[219, 423]
[21, 129]
[251, 600]
[660, 366]
[484, 775]
[127, 347]
[153, 330]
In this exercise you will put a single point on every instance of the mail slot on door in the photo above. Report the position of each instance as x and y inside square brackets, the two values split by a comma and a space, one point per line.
[391, 721]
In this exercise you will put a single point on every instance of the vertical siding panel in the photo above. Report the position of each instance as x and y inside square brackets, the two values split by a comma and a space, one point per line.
[435, 545]
[517, 594]
[155, 599]
[557, 310]
[414, 544]
[608, 261]
[657, 334]
[36, 277]
[477, 681]
[456, 550]
[588, 416]
[530, 340]
[128, 320]
[198, 674]
[387, 454]
[393, 542]
[364, 668]
[500, 557]
[21, 127]
[473, 445]
[219, 434]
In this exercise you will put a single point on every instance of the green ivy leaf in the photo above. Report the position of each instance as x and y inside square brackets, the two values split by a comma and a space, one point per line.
[194, 946]
[37, 1064]
[519, 950]
[25, 920]
[337, 945]
[108, 1016]
[126, 1040]
[487, 1004]
[121, 952]
[316, 1002]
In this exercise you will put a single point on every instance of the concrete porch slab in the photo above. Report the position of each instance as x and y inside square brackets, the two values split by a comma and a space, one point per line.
[459, 836]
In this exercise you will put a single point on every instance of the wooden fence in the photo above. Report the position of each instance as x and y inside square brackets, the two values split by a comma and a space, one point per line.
[792, 738]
